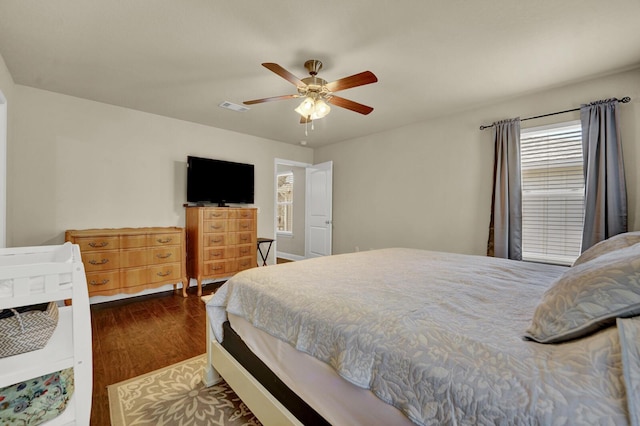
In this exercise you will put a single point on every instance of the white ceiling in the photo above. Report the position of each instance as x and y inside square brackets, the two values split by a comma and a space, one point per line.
[182, 58]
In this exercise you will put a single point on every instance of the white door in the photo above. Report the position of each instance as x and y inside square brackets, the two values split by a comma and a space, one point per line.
[318, 217]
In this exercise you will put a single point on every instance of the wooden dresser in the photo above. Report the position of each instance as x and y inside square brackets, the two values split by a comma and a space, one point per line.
[129, 260]
[220, 241]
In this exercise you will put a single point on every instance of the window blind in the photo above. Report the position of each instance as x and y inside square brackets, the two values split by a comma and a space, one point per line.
[552, 193]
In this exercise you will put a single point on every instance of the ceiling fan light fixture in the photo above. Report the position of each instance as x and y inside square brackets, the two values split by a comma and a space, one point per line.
[313, 107]
[321, 110]
[306, 107]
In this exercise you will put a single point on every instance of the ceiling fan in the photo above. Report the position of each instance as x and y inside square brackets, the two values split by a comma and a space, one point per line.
[317, 93]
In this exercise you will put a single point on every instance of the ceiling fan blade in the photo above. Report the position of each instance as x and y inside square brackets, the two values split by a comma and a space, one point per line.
[274, 98]
[353, 106]
[283, 73]
[365, 77]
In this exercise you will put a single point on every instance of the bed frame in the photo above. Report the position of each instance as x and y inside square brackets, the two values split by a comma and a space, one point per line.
[222, 365]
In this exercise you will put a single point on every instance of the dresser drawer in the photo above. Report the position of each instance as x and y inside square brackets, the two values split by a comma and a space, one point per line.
[246, 214]
[133, 241]
[218, 267]
[163, 239]
[245, 225]
[165, 255]
[101, 281]
[245, 250]
[213, 240]
[133, 258]
[241, 225]
[243, 214]
[98, 243]
[218, 253]
[245, 263]
[134, 276]
[100, 261]
[214, 226]
[242, 238]
[170, 271]
[212, 214]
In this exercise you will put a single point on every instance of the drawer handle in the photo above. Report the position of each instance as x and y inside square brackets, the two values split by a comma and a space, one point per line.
[216, 214]
[245, 225]
[98, 245]
[216, 226]
[244, 238]
[163, 256]
[217, 268]
[164, 274]
[244, 263]
[101, 262]
[164, 241]
[244, 251]
[217, 240]
[217, 254]
[103, 282]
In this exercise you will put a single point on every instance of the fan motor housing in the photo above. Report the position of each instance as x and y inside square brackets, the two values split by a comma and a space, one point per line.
[313, 66]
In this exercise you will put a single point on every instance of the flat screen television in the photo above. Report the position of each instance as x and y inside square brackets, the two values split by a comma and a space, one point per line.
[218, 181]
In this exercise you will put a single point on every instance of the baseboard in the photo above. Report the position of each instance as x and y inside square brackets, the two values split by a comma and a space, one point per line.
[165, 288]
[289, 256]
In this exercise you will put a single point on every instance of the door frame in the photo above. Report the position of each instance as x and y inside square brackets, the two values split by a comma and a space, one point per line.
[4, 126]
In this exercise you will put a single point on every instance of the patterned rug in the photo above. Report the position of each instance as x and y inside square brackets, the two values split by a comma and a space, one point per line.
[175, 395]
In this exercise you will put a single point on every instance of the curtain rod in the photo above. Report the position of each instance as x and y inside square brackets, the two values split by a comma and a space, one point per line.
[623, 100]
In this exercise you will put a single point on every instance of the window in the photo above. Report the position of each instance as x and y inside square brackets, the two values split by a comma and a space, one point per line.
[285, 203]
[552, 193]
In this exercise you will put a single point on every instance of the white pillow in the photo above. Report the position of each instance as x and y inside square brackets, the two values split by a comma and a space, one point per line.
[589, 297]
[613, 243]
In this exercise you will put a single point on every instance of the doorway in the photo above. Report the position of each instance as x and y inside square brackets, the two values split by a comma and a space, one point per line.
[303, 210]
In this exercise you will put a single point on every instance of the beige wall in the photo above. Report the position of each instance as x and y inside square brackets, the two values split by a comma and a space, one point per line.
[428, 185]
[6, 81]
[75, 163]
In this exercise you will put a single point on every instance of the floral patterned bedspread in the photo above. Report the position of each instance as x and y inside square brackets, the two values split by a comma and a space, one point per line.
[437, 335]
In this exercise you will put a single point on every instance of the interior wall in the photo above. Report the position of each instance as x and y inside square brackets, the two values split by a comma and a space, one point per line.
[428, 185]
[294, 243]
[78, 164]
[6, 90]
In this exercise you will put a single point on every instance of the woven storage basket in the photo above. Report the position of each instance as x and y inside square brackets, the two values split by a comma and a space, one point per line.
[28, 330]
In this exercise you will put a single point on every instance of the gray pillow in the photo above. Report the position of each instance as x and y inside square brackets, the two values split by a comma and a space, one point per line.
[589, 297]
[613, 243]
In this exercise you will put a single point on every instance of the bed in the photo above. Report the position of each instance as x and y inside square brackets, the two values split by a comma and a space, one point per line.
[406, 336]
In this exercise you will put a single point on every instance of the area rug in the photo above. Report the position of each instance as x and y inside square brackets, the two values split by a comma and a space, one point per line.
[175, 395]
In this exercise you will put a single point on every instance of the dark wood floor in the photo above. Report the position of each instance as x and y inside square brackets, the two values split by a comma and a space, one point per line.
[142, 334]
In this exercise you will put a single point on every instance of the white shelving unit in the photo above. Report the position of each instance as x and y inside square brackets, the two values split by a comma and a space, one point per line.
[32, 275]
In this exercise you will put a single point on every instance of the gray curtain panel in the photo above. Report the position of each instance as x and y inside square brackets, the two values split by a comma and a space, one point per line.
[505, 229]
[605, 198]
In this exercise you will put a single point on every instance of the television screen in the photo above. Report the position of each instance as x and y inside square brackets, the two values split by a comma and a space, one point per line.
[217, 181]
